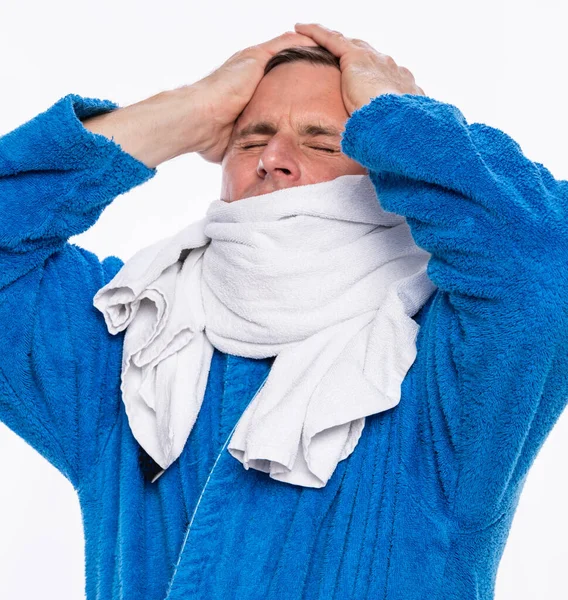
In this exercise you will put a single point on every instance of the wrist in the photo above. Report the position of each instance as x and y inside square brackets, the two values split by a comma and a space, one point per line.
[156, 129]
[189, 123]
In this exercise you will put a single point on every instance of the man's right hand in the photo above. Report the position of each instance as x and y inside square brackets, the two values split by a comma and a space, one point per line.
[193, 118]
[225, 92]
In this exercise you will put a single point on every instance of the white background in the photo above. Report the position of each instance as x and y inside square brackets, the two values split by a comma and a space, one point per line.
[501, 63]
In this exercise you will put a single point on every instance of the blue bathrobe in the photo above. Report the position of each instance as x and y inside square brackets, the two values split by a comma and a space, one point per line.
[423, 506]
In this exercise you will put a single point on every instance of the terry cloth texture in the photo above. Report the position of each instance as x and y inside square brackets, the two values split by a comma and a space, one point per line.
[422, 507]
[319, 276]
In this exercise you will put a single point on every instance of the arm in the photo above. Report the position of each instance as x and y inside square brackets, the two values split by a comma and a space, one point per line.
[55, 180]
[57, 175]
[156, 129]
[494, 343]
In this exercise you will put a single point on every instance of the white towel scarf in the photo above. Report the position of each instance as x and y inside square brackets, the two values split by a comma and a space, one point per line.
[318, 276]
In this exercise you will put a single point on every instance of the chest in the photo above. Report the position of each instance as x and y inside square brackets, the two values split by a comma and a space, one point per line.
[247, 530]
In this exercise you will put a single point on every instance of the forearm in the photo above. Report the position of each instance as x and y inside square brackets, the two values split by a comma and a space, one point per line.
[157, 129]
[56, 177]
[435, 169]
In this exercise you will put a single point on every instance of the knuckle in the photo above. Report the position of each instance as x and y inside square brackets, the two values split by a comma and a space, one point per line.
[406, 72]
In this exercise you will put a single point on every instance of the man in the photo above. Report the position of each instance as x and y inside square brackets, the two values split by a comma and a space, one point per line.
[422, 506]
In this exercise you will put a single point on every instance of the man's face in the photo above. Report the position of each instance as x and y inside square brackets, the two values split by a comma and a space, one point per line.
[292, 128]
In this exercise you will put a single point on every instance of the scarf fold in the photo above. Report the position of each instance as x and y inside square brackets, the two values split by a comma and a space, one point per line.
[318, 276]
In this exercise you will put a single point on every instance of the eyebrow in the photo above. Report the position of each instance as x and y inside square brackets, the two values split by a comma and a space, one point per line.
[267, 128]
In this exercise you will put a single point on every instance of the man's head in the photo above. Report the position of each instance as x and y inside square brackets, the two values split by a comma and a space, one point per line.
[289, 133]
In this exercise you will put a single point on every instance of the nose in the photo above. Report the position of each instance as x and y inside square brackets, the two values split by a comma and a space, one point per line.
[279, 161]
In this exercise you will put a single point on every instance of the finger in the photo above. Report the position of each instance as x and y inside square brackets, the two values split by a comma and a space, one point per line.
[406, 72]
[287, 40]
[334, 41]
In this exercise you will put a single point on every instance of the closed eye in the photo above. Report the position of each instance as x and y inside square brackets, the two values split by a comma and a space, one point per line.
[314, 147]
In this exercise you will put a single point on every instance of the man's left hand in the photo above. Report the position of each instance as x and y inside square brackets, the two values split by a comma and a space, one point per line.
[365, 73]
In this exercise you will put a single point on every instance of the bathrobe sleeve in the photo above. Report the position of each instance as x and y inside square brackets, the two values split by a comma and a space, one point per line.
[56, 177]
[493, 346]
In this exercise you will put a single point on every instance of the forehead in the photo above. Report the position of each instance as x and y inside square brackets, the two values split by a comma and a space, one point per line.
[298, 94]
